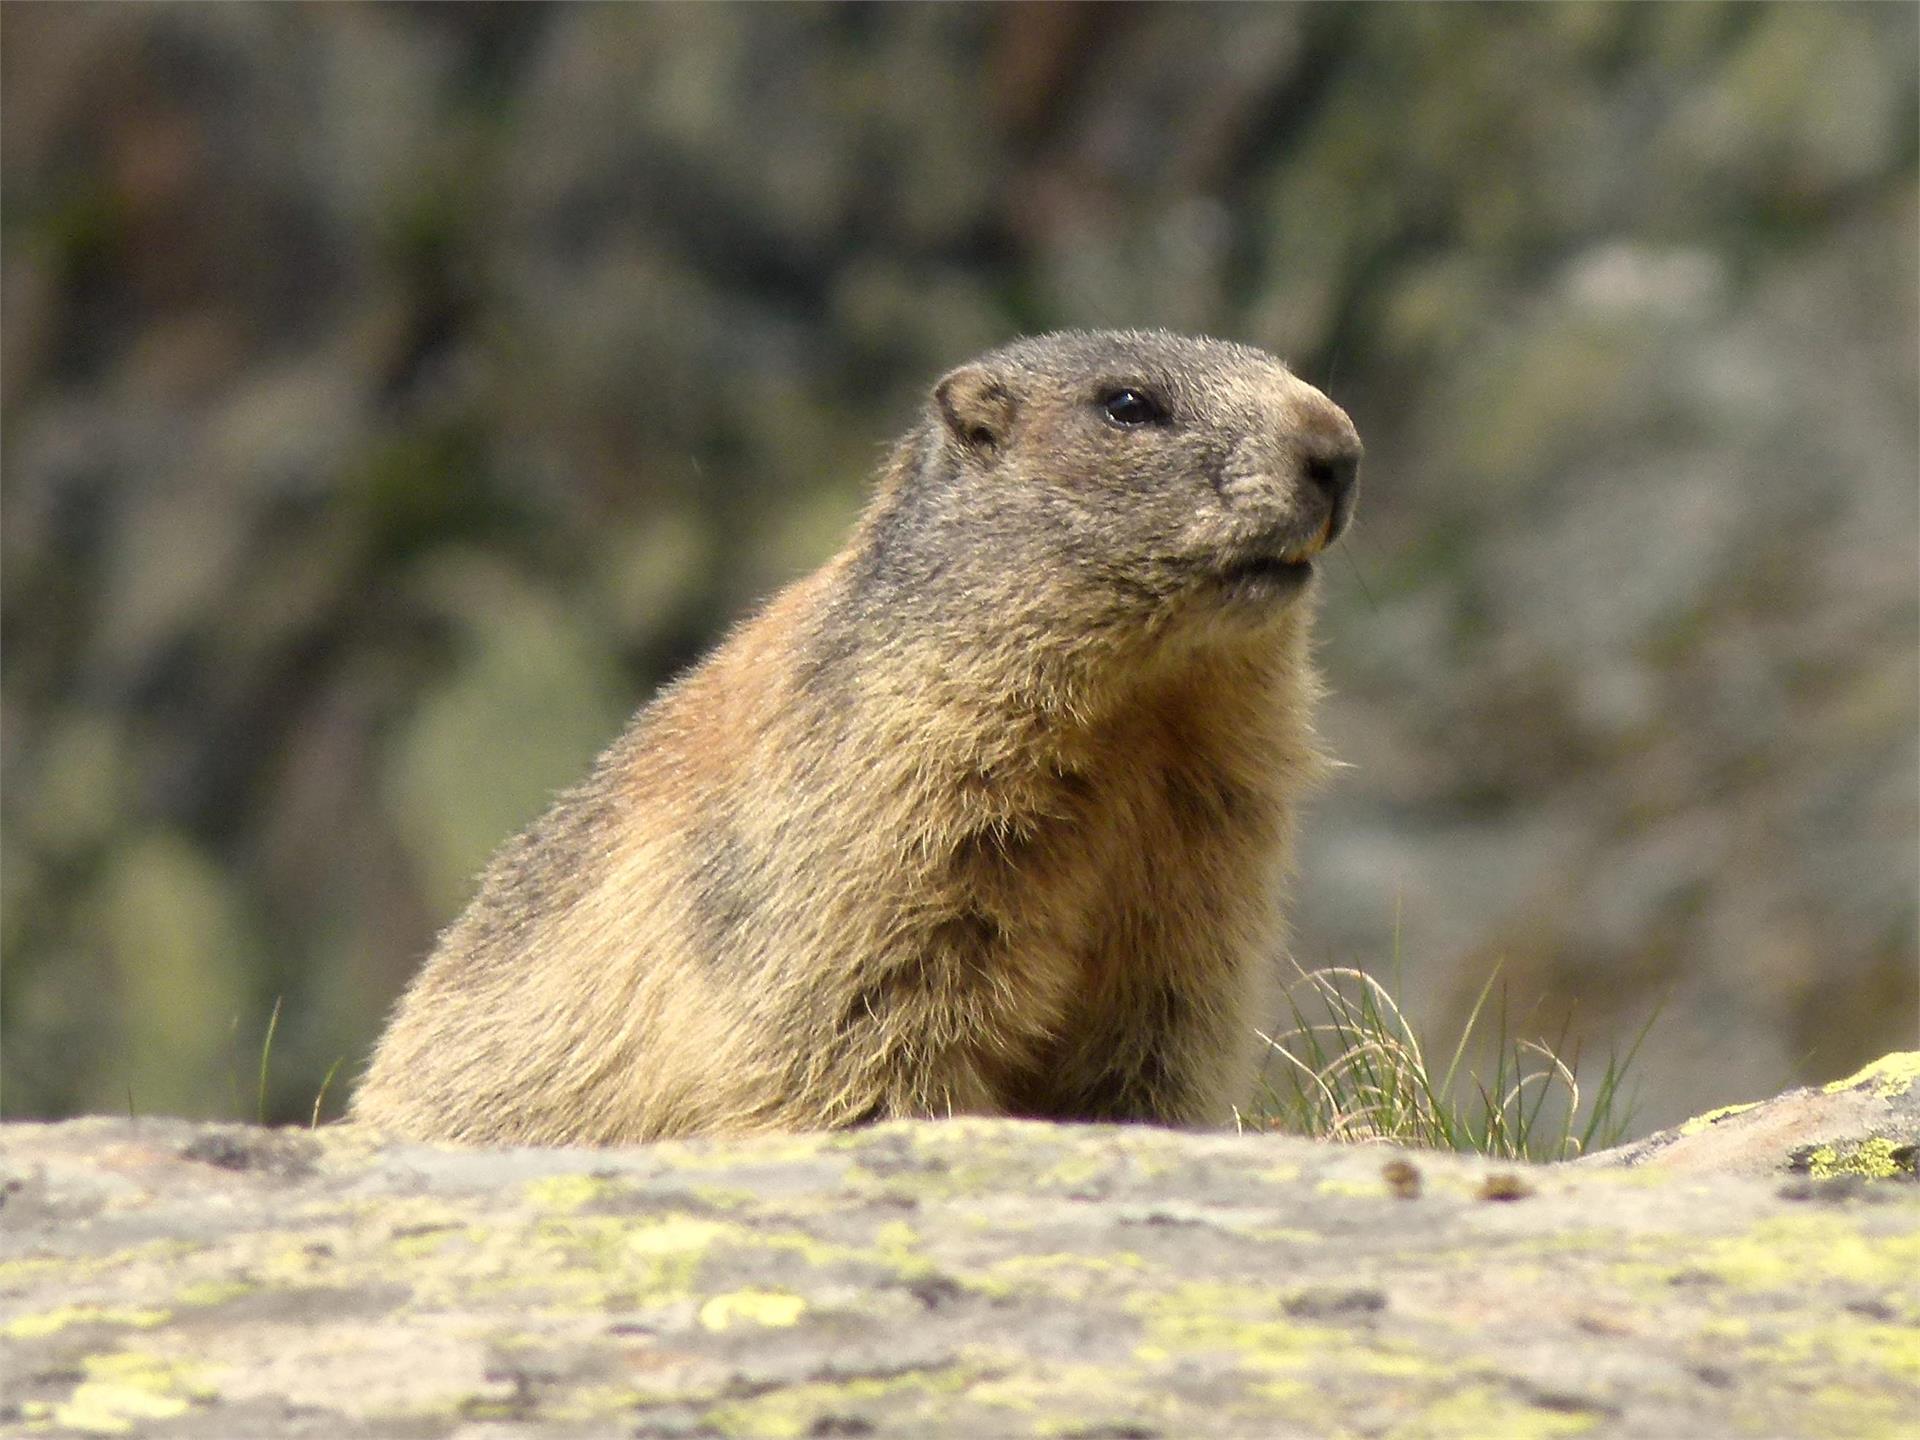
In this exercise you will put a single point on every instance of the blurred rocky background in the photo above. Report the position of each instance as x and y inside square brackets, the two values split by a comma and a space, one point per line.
[394, 395]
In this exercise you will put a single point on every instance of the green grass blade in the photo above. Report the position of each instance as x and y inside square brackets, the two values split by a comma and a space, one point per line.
[266, 1058]
[321, 1098]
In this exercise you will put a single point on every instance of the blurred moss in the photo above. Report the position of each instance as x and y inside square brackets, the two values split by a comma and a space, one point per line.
[23, 882]
[180, 953]
[650, 575]
[422, 487]
[1436, 307]
[1538, 401]
[1796, 114]
[531, 697]
[425, 231]
[82, 787]
[77, 232]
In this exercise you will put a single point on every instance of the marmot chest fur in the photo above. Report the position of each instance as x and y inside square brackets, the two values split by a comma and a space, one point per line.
[987, 816]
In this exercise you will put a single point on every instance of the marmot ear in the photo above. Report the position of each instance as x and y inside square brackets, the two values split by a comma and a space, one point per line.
[977, 407]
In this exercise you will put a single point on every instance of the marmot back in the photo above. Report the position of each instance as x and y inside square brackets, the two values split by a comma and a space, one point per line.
[989, 815]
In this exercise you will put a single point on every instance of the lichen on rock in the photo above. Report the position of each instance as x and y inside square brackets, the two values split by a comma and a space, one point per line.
[959, 1278]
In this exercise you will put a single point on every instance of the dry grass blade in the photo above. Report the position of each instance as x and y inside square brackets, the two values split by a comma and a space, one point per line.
[1353, 1069]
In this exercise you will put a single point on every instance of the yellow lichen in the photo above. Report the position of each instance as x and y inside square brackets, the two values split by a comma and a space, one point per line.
[424, 1244]
[1791, 1252]
[1281, 1390]
[22, 1273]
[120, 1389]
[1887, 1077]
[896, 1238]
[213, 1292]
[1873, 1158]
[1395, 1363]
[1068, 1276]
[1843, 1411]
[566, 1193]
[724, 1197]
[679, 1235]
[1073, 1171]
[1357, 1189]
[1273, 1234]
[1479, 1411]
[80, 1268]
[1207, 1316]
[1714, 1117]
[573, 1261]
[1065, 1397]
[1857, 1348]
[47, 1322]
[755, 1307]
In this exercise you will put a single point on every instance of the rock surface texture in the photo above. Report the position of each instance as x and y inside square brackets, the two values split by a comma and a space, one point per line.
[1866, 1126]
[969, 1278]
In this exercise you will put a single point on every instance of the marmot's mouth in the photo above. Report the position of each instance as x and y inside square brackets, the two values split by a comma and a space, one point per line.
[1280, 566]
[1266, 575]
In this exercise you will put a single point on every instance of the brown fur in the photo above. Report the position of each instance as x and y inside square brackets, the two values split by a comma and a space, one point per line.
[987, 816]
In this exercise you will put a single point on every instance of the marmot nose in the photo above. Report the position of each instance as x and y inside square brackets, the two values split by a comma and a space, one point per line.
[1331, 467]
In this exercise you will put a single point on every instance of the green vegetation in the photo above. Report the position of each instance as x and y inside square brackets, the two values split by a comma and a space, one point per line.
[1353, 1068]
[1350, 1066]
[264, 1088]
[320, 1097]
[266, 1063]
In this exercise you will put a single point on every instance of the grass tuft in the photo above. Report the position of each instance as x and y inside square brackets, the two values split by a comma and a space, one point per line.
[1353, 1068]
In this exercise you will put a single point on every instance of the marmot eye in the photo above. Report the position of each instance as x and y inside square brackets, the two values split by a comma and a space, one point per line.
[1131, 407]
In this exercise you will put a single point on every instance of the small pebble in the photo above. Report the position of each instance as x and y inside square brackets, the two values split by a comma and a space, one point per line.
[1504, 1185]
[1402, 1178]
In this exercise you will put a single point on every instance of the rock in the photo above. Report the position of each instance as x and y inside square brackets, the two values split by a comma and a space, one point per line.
[1867, 1125]
[966, 1278]
[306, 306]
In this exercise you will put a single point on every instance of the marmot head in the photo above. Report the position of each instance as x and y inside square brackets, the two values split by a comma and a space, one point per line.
[1121, 479]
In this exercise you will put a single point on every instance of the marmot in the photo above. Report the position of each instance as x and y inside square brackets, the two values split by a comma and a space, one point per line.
[987, 816]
